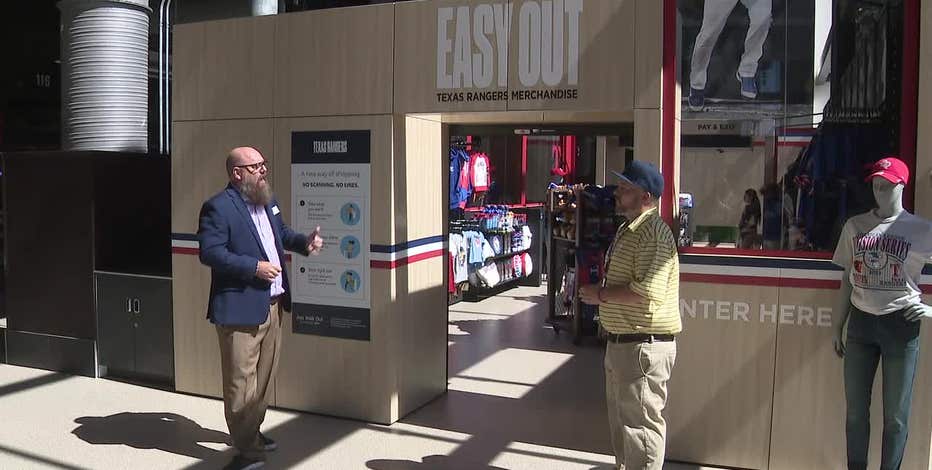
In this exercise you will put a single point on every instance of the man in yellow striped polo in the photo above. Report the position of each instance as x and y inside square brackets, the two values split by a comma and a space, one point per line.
[639, 309]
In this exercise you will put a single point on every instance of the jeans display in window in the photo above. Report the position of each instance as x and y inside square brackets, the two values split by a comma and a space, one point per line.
[871, 339]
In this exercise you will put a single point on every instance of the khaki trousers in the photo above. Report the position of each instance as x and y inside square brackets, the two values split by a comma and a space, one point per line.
[249, 359]
[636, 377]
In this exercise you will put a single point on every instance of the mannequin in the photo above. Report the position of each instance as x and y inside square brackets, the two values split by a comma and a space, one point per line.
[882, 252]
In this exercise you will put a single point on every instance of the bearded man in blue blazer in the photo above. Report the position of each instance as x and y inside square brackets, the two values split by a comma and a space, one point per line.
[243, 240]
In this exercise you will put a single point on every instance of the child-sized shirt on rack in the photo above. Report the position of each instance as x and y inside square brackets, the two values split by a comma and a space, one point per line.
[474, 242]
[460, 253]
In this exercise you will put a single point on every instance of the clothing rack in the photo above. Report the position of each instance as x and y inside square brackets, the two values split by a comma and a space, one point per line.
[460, 226]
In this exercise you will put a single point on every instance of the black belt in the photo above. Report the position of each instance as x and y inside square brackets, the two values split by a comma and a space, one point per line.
[274, 300]
[638, 338]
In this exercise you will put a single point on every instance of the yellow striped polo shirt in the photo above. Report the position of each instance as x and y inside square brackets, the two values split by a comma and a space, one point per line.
[644, 257]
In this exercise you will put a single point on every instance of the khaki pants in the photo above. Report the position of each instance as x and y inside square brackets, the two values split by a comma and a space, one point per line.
[249, 359]
[636, 377]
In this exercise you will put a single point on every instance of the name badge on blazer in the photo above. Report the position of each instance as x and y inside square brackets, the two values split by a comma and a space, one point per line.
[275, 210]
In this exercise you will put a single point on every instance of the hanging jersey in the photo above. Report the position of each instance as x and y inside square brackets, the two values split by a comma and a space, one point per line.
[474, 241]
[459, 178]
[559, 163]
[465, 185]
[479, 172]
[460, 252]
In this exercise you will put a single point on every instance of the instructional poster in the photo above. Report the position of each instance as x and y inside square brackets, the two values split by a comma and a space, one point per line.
[330, 187]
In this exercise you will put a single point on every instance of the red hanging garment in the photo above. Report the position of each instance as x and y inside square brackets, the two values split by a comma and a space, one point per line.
[479, 172]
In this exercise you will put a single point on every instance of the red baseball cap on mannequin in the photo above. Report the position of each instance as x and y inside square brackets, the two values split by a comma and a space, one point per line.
[891, 169]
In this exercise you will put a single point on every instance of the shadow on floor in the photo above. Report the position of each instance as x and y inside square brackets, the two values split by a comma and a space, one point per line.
[431, 462]
[564, 408]
[167, 432]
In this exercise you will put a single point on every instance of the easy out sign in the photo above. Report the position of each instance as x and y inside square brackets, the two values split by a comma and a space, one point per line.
[548, 44]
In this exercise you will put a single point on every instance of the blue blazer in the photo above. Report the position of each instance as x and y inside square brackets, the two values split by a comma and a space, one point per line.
[231, 247]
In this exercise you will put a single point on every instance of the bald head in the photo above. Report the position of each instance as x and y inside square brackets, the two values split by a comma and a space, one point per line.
[242, 156]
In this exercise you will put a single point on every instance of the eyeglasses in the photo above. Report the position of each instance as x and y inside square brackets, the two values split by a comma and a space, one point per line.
[254, 167]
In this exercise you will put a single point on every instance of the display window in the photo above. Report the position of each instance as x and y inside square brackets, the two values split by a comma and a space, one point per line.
[785, 105]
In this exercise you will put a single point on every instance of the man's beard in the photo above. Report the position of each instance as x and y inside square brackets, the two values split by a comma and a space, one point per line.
[256, 193]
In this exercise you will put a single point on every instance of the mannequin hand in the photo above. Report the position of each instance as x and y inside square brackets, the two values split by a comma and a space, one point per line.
[917, 312]
[839, 343]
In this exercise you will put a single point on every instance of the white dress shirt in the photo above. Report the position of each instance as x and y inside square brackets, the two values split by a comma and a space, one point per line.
[264, 227]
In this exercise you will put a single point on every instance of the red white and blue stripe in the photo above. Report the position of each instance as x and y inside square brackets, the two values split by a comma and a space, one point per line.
[380, 256]
[393, 256]
[770, 272]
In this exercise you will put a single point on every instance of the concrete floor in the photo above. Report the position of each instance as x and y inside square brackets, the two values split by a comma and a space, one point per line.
[520, 398]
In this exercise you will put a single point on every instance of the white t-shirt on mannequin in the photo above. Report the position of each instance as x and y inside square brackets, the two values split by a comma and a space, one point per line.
[885, 257]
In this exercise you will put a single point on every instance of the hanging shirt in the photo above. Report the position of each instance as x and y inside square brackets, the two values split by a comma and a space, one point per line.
[460, 252]
[479, 172]
[517, 265]
[526, 237]
[559, 163]
[474, 246]
[885, 258]
[459, 178]
[497, 246]
[527, 264]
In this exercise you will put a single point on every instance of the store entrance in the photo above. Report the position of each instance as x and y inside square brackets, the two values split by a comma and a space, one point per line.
[528, 207]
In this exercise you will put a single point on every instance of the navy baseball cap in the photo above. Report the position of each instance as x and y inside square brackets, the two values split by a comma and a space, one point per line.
[643, 175]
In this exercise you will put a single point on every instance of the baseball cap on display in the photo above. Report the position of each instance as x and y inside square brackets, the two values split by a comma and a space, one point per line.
[891, 169]
[643, 175]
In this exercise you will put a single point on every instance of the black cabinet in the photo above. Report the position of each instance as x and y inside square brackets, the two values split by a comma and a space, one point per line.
[67, 216]
[134, 326]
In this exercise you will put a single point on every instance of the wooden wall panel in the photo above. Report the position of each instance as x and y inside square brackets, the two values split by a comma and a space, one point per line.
[223, 69]
[606, 59]
[333, 62]
[415, 89]
[719, 410]
[353, 379]
[422, 374]
[921, 442]
[588, 117]
[647, 136]
[425, 160]
[199, 151]
[421, 286]
[809, 397]
[648, 54]
[919, 447]
[197, 351]
[199, 172]
[614, 158]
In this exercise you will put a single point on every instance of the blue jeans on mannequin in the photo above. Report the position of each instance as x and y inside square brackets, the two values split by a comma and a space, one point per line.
[872, 338]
